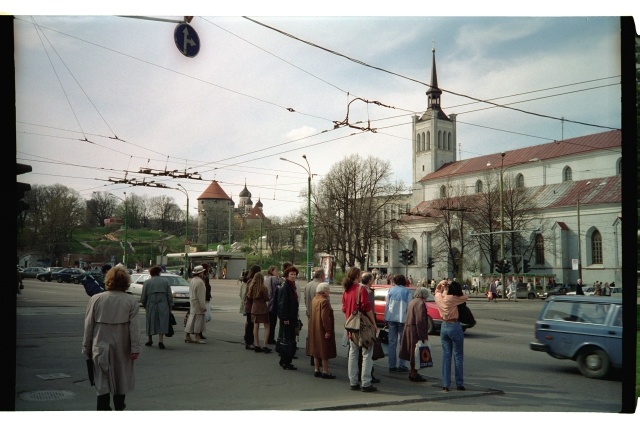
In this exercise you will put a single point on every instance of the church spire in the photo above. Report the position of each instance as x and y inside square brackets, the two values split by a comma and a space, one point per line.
[433, 94]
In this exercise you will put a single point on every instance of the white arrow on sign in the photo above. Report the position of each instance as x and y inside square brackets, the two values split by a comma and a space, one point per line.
[186, 40]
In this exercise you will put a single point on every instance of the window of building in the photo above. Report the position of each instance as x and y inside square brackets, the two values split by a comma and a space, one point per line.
[566, 174]
[443, 191]
[418, 142]
[439, 139]
[428, 140]
[478, 186]
[519, 181]
[619, 166]
[596, 247]
[539, 249]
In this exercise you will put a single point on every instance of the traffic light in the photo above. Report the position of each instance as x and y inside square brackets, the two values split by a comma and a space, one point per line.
[507, 267]
[498, 266]
[429, 262]
[403, 256]
[22, 188]
[525, 266]
[409, 257]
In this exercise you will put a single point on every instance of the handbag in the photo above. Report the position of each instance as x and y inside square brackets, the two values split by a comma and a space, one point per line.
[354, 321]
[465, 316]
[172, 322]
[286, 348]
[383, 335]
[423, 354]
[378, 352]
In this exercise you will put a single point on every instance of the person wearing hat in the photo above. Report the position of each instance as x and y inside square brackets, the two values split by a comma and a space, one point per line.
[197, 298]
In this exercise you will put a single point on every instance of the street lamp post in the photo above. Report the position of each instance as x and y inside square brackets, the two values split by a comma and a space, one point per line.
[579, 236]
[186, 240]
[309, 244]
[504, 289]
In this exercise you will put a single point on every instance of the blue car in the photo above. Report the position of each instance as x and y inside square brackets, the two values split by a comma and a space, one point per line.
[68, 275]
[584, 329]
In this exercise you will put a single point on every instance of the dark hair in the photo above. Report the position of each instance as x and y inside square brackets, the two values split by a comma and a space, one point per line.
[154, 271]
[352, 276]
[455, 289]
[289, 269]
[286, 265]
[253, 270]
[399, 280]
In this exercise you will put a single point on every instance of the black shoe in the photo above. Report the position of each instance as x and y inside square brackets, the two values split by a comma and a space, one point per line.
[369, 388]
[202, 336]
[289, 367]
[403, 369]
[445, 389]
[328, 376]
[317, 374]
[149, 343]
[393, 369]
[417, 379]
[249, 347]
[161, 345]
[355, 387]
[460, 388]
[374, 380]
[257, 349]
[266, 350]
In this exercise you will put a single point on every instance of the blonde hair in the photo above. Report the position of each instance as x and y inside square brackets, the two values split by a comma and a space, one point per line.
[256, 286]
[421, 292]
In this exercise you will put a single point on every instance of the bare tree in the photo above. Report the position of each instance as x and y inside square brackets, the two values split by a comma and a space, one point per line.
[160, 208]
[102, 205]
[348, 204]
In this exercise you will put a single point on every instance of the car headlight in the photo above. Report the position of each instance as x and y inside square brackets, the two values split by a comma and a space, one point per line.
[181, 295]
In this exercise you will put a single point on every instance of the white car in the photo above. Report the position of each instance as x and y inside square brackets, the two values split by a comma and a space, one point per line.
[179, 287]
[588, 291]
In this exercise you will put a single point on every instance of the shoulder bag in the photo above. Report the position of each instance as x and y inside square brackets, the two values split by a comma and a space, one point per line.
[366, 335]
[465, 316]
[355, 319]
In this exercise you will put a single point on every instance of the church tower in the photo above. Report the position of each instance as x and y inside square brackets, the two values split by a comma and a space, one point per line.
[433, 137]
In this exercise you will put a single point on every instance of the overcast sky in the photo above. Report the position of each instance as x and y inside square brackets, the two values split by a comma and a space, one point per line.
[100, 97]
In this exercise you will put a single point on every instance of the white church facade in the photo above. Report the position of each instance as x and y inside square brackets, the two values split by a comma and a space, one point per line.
[573, 228]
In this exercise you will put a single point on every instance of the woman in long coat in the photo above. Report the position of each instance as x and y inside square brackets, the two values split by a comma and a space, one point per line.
[157, 301]
[322, 335]
[196, 322]
[416, 327]
[112, 339]
[259, 295]
[288, 305]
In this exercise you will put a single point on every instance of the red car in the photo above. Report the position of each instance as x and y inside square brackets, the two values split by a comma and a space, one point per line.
[433, 314]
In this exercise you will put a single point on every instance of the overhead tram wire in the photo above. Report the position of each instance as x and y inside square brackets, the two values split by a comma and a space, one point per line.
[424, 83]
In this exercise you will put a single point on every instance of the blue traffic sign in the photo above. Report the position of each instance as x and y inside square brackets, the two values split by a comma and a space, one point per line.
[187, 40]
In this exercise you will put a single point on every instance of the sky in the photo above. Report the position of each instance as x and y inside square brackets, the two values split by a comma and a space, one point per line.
[101, 96]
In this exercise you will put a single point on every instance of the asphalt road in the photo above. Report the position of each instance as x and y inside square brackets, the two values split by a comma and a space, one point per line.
[501, 372]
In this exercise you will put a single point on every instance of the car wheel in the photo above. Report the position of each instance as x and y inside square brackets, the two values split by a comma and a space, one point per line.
[593, 362]
[531, 296]
[59, 279]
[41, 279]
[432, 328]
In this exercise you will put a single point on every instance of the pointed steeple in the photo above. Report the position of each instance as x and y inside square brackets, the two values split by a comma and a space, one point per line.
[434, 92]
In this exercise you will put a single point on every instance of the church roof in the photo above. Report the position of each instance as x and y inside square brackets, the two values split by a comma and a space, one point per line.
[566, 194]
[245, 192]
[214, 192]
[555, 149]
[254, 213]
[259, 204]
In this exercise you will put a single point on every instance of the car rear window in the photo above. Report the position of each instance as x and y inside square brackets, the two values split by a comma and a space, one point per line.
[592, 313]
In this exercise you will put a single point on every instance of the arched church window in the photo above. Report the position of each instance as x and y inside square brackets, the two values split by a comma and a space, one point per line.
[478, 186]
[539, 249]
[567, 174]
[519, 181]
[619, 166]
[428, 140]
[596, 247]
[443, 191]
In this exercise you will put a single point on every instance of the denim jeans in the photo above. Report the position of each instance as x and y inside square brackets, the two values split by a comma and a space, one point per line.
[452, 340]
[352, 365]
[395, 340]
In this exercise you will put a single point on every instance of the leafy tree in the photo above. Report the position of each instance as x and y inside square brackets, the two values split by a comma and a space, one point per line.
[102, 205]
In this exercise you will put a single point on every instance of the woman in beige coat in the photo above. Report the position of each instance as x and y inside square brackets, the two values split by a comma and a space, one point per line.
[322, 335]
[111, 339]
[416, 328]
[197, 298]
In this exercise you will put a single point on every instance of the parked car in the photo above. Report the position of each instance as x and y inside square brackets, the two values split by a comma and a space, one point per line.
[616, 291]
[556, 291]
[433, 314]
[32, 271]
[68, 275]
[523, 293]
[588, 291]
[46, 276]
[179, 287]
[587, 330]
